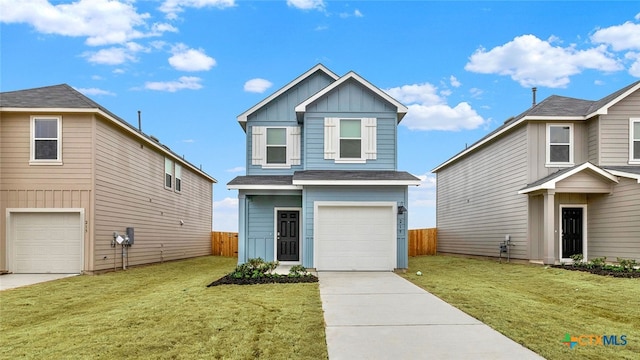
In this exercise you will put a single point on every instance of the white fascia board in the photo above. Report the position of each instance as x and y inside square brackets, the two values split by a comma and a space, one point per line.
[625, 174]
[118, 123]
[263, 187]
[551, 184]
[357, 182]
[402, 110]
[554, 118]
[242, 118]
[605, 108]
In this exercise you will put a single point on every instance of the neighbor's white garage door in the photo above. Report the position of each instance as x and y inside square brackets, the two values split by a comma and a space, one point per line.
[46, 242]
[360, 237]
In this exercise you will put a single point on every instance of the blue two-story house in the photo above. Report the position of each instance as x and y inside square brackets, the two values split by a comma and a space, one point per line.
[322, 187]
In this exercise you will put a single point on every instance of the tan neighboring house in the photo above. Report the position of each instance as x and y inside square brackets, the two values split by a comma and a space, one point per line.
[72, 174]
[560, 179]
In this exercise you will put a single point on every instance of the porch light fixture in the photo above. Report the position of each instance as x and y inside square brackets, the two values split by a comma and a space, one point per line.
[401, 210]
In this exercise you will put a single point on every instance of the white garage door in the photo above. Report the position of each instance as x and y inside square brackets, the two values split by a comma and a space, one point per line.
[46, 242]
[355, 236]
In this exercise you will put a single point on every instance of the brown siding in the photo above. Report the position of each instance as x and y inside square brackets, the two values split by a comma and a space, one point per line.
[593, 141]
[614, 222]
[614, 129]
[45, 186]
[478, 201]
[130, 193]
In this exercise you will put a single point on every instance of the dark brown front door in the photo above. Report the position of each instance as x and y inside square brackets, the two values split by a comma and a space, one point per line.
[288, 236]
[571, 231]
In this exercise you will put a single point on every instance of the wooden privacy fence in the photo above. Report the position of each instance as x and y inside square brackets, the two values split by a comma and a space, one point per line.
[423, 241]
[224, 243]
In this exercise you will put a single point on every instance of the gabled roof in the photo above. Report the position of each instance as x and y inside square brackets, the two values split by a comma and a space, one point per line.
[553, 108]
[631, 172]
[64, 98]
[257, 182]
[401, 109]
[550, 181]
[242, 118]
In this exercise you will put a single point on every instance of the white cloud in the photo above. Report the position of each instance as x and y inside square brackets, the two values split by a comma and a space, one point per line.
[425, 194]
[476, 93]
[173, 7]
[188, 141]
[307, 4]
[225, 214]
[186, 59]
[102, 22]
[184, 82]
[236, 169]
[257, 85]
[454, 82]
[534, 62]
[355, 13]
[634, 69]
[429, 111]
[94, 91]
[619, 37]
[115, 55]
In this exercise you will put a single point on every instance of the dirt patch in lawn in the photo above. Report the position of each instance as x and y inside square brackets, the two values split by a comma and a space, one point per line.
[230, 280]
[601, 271]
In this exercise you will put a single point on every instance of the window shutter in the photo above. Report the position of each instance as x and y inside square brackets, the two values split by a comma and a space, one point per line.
[293, 145]
[330, 137]
[369, 138]
[258, 145]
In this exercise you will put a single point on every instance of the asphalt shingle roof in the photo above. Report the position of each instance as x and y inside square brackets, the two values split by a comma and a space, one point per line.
[340, 175]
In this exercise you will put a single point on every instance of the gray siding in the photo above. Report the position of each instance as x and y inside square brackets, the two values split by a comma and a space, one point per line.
[130, 192]
[614, 129]
[478, 201]
[260, 210]
[614, 222]
[593, 141]
[311, 194]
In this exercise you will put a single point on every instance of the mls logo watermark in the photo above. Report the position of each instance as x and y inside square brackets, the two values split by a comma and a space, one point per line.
[594, 340]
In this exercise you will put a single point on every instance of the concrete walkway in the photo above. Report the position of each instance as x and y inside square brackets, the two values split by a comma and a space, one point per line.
[10, 281]
[378, 315]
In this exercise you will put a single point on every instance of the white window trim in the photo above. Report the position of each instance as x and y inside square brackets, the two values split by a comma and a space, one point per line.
[32, 146]
[164, 178]
[259, 146]
[548, 146]
[368, 140]
[584, 231]
[632, 161]
[177, 175]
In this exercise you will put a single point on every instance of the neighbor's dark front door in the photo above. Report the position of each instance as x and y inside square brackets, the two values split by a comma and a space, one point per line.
[571, 231]
[288, 236]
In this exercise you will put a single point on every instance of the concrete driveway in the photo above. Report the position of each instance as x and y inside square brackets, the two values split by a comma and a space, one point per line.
[10, 281]
[378, 315]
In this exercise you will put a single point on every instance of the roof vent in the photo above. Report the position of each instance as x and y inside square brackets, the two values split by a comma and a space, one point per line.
[154, 138]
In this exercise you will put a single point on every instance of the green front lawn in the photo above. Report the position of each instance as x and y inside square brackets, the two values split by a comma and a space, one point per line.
[536, 305]
[162, 311]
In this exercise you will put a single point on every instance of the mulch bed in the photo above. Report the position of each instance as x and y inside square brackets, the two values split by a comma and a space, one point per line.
[601, 271]
[229, 280]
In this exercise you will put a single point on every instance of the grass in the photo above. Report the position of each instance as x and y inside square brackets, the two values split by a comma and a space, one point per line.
[162, 311]
[536, 305]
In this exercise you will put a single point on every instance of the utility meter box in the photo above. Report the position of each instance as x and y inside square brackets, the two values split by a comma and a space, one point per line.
[130, 235]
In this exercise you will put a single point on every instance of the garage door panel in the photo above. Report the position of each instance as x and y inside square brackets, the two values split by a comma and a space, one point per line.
[46, 242]
[357, 237]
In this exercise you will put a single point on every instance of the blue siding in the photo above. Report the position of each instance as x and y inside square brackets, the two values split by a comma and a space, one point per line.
[351, 97]
[260, 224]
[313, 143]
[311, 194]
[257, 169]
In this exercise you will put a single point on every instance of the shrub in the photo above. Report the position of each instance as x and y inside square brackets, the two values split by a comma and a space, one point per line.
[298, 271]
[255, 268]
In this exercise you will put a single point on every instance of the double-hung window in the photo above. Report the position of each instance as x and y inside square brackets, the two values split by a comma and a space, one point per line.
[46, 140]
[559, 145]
[178, 176]
[276, 146]
[168, 173]
[634, 141]
[350, 139]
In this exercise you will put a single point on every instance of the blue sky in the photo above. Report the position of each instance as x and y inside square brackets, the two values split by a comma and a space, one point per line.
[192, 66]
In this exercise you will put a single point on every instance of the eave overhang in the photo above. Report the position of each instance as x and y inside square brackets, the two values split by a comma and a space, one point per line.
[550, 183]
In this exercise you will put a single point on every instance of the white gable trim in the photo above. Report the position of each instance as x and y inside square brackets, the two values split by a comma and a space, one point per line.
[551, 184]
[242, 118]
[402, 110]
[603, 110]
[625, 174]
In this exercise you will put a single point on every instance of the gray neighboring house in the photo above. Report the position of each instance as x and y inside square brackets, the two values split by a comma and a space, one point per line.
[561, 178]
[322, 187]
[72, 173]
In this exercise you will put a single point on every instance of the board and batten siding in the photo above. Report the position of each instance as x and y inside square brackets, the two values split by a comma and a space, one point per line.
[614, 222]
[45, 186]
[130, 192]
[478, 201]
[260, 209]
[311, 194]
[614, 131]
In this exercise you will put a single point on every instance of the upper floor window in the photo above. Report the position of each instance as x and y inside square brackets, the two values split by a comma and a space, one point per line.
[275, 147]
[46, 140]
[559, 145]
[168, 173]
[634, 141]
[350, 140]
[178, 175]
